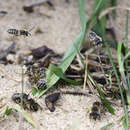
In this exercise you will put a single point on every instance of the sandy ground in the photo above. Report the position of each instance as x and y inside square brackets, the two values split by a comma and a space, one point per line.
[59, 29]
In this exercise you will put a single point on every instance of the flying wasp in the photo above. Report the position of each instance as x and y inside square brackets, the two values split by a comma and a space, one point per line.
[18, 32]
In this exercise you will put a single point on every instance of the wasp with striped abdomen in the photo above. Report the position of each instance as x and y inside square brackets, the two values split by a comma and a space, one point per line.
[17, 32]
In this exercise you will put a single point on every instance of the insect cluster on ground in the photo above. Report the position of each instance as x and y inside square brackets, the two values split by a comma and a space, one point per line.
[26, 102]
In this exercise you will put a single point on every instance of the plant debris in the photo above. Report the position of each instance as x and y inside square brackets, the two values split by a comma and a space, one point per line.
[98, 64]
[50, 101]
[41, 52]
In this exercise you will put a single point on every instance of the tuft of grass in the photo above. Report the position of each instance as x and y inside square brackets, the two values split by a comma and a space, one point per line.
[70, 54]
[7, 111]
[68, 57]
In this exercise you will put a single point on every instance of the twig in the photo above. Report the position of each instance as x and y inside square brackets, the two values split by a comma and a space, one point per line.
[105, 12]
[79, 60]
[90, 86]
[85, 76]
[96, 64]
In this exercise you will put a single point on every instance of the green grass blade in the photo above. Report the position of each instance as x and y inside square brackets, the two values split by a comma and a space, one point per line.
[121, 64]
[126, 118]
[128, 97]
[7, 111]
[100, 5]
[117, 77]
[114, 3]
[127, 56]
[60, 74]
[118, 82]
[100, 26]
[126, 50]
[125, 123]
[82, 14]
[114, 69]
